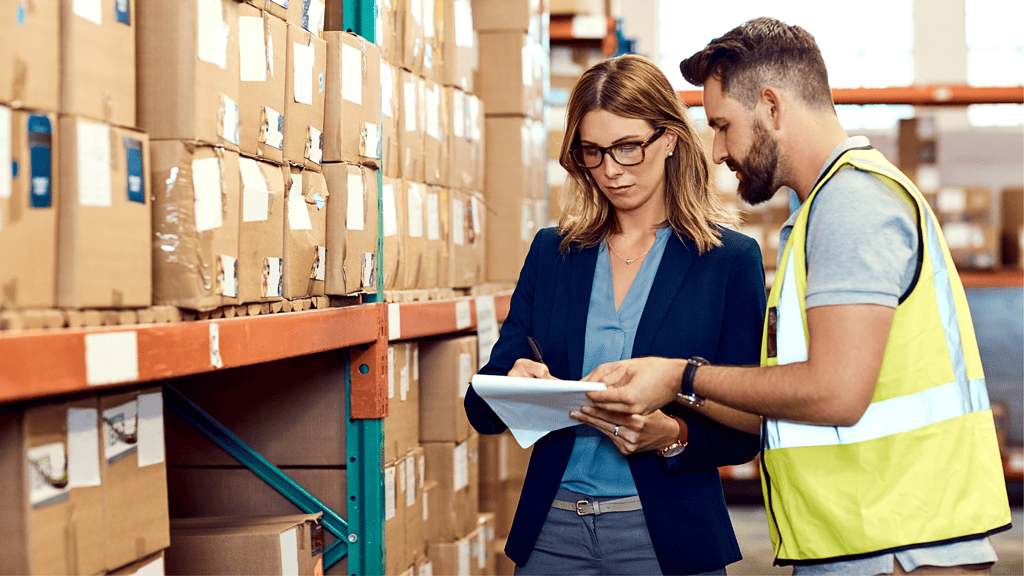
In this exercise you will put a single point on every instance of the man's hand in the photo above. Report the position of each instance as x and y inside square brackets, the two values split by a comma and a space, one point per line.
[525, 368]
[637, 385]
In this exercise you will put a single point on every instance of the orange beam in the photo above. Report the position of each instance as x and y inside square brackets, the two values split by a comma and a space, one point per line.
[439, 317]
[937, 95]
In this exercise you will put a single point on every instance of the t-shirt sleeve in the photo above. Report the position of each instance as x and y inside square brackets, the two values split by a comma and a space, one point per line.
[862, 242]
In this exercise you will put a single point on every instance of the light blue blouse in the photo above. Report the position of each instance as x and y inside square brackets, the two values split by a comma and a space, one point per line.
[596, 467]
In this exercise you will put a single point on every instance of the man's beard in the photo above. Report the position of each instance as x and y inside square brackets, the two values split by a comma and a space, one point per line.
[759, 168]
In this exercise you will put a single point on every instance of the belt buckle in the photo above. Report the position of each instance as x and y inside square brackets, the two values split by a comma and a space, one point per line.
[579, 504]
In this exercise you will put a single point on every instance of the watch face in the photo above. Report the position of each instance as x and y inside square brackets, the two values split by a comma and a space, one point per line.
[675, 451]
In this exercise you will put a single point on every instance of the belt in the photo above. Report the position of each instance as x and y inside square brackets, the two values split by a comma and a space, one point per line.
[586, 507]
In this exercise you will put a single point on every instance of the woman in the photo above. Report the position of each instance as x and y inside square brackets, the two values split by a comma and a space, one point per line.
[640, 265]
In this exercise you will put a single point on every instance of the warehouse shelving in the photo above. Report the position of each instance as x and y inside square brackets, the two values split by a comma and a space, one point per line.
[584, 31]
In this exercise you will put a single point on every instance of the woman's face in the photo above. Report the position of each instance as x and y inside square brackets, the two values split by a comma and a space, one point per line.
[627, 187]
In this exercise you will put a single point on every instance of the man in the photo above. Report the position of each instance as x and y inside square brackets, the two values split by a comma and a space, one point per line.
[879, 450]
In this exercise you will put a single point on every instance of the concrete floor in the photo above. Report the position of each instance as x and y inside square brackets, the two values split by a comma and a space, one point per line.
[752, 532]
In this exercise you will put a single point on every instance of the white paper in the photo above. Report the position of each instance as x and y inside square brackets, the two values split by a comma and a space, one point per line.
[315, 17]
[458, 222]
[410, 106]
[463, 23]
[154, 568]
[290, 552]
[272, 272]
[532, 407]
[272, 131]
[298, 214]
[94, 175]
[478, 220]
[433, 107]
[433, 217]
[460, 464]
[207, 190]
[111, 357]
[481, 546]
[394, 321]
[320, 264]
[119, 423]
[83, 447]
[486, 328]
[91, 10]
[403, 382]
[252, 49]
[255, 195]
[415, 210]
[355, 219]
[209, 21]
[352, 74]
[951, 200]
[391, 372]
[401, 478]
[228, 275]
[302, 73]
[369, 140]
[465, 373]
[6, 178]
[215, 358]
[314, 145]
[46, 462]
[151, 429]
[390, 224]
[459, 114]
[389, 493]
[410, 482]
[416, 377]
[464, 556]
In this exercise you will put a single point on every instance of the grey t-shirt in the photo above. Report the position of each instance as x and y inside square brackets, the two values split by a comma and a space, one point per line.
[862, 243]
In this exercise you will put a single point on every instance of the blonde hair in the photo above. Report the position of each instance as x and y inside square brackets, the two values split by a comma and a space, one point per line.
[631, 86]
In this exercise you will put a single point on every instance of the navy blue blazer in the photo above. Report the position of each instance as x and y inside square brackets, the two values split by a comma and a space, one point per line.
[711, 305]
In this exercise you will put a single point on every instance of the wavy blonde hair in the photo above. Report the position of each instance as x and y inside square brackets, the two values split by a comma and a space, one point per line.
[631, 86]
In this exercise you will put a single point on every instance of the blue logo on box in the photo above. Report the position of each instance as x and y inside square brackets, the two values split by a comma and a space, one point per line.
[40, 142]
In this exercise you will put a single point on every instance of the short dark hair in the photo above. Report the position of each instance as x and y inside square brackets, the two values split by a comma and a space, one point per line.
[762, 52]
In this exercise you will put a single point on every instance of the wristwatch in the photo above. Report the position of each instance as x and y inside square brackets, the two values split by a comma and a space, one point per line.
[676, 448]
[686, 394]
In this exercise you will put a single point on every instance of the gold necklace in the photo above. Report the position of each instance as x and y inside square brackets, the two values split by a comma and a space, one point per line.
[628, 261]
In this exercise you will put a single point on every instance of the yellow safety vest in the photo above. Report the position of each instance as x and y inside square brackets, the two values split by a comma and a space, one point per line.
[922, 465]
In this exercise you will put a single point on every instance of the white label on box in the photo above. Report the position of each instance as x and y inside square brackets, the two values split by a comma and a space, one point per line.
[391, 372]
[962, 235]
[272, 131]
[154, 568]
[459, 113]
[428, 19]
[410, 482]
[433, 112]
[426, 517]
[410, 112]
[94, 175]
[481, 546]
[319, 264]
[463, 24]
[352, 74]
[369, 269]
[476, 131]
[526, 223]
[389, 493]
[151, 429]
[464, 557]
[227, 275]
[207, 189]
[478, 220]
[354, 218]
[502, 457]
[427, 569]
[314, 145]
[6, 177]
[47, 467]
[315, 17]
[526, 56]
[463, 314]
[215, 358]
[486, 327]
[209, 20]
[401, 477]
[120, 431]
[91, 10]
[298, 213]
[416, 7]
[929, 178]
[394, 321]
[390, 223]
[433, 217]
[589, 26]
[272, 269]
[465, 372]
[403, 383]
[290, 552]
[255, 195]
[951, 200]
[415, 210]
[302, 73]
[458, 222]
[422, 464]
[83, 447]
[111, 357]
[460, 474]
[252, 49]
[369, 140]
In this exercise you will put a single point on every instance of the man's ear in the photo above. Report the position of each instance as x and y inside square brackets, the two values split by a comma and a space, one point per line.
[772, 102]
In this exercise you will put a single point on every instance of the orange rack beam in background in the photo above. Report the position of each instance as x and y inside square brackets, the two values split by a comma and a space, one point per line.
[937, 95]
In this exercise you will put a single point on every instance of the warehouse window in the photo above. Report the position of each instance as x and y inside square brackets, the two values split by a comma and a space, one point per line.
[995, 57]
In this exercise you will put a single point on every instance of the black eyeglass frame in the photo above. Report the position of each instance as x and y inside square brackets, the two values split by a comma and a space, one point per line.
[609, 150]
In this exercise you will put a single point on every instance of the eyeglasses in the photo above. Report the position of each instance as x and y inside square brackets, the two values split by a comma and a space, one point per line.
[628, 154]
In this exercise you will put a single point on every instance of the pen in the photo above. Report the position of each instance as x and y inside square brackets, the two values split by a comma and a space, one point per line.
[536, 349]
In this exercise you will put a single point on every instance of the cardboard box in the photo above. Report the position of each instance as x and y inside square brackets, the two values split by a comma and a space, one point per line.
[352, 118]
[466, 241]
[104, 227]
[305, 238]
[152, 564]
[495, 15]
[305, 82]
[188, 72]
[462, 168]
[505, 56]
[395, 551]
[512, 210]
[415, 535]
[475, 112]
[52, 489]
[443, 245]
[30, 56]
[28, 208]
[501, 458]
[505, 565]
[392, 223]
[446, 367]
[134, 472]
[412, 126]
[458, 44]
[454, 466]
[486, 563]
[433, 31]
[389, 90]
[501, 497]
[420, 254]
[260, 242]
[262, 40]
[453, 557]
[278, 8]
[401, 425]
[409, 30]
[389, 42]
[1012, 217]
[973, 246]
[435, 138]
[351, 229]
[970, 204]
[97, 43]
[237, 491]
[195, 225]
[247, 545]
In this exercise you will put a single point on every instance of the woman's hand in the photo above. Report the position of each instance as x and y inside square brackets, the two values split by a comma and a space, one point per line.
[635, 433]
[525, 368]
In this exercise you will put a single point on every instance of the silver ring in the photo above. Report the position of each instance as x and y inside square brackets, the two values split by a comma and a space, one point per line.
[616, 430]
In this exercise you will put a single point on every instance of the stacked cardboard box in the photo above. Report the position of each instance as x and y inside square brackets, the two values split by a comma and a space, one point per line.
[503, 465]
[965, 217]
[1012, 214]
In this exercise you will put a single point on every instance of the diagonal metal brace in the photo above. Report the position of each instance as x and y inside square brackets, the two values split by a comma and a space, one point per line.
[259, 465]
